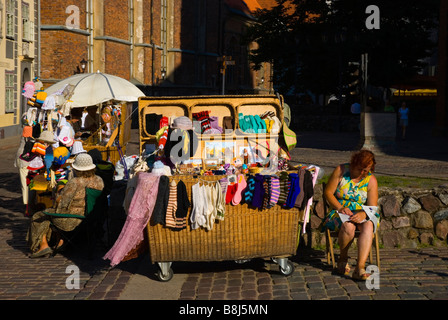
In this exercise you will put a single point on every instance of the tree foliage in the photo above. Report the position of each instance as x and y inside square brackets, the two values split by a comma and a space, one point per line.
[310, 42]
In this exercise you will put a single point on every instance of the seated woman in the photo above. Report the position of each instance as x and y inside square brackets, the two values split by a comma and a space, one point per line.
[71, 200]
[349, 188]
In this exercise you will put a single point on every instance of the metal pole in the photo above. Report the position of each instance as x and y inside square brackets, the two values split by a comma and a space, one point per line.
[223, 79]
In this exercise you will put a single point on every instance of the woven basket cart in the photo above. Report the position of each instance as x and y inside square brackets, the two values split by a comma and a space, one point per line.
[244, 233]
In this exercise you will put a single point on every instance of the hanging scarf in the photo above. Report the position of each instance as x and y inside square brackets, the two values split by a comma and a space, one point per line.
[140, 211]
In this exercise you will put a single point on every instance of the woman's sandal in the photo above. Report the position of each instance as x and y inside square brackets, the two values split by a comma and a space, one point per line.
[360, 275]
[42, 253]
[343, 268]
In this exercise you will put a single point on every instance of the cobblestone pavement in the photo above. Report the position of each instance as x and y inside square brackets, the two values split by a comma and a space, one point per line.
[405, 274]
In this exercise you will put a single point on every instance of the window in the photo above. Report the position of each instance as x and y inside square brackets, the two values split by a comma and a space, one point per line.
[9, 94]
[10, 8]
[27, 32]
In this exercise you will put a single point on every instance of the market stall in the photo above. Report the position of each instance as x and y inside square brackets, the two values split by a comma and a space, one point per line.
[214, 183]
[78, 114]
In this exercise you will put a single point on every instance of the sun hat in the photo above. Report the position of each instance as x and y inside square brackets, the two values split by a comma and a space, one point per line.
[77, 148]
[183, 123]
[36, 164]
[83, 162]
[47, 136]
[65, 137]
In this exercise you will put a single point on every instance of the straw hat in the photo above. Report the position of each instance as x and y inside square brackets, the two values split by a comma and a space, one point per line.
[83, 162]
[47, 136]
[77, 148]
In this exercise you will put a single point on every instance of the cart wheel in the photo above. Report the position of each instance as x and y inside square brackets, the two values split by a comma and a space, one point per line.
[288, 270]
[165, 278]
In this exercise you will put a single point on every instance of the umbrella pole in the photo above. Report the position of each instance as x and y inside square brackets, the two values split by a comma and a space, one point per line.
[120, 152]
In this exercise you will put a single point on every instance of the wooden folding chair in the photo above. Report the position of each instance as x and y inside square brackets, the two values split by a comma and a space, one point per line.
[329, 235]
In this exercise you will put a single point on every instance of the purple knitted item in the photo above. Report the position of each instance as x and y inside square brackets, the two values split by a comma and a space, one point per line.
[257, 199]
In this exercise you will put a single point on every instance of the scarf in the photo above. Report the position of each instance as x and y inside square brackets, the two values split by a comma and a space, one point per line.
[140, 211]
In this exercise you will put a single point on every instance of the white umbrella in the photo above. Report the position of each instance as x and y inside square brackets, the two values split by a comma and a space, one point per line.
[90, 89]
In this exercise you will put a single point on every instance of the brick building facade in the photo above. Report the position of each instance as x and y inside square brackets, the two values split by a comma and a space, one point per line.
[166, 47]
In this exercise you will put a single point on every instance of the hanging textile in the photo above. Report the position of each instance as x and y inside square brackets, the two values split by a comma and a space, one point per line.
[140, 211]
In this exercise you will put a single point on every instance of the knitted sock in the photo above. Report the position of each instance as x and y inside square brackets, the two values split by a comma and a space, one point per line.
[254, 124]
[249, 191]
[248, 124]
[241, 122]
[284, 188]
[295, 190]
[267, 191]
[170, 219]
[275, 191]
[231, 190]
[261, 124]
[241, 185]
[257, 200]
[224, 183]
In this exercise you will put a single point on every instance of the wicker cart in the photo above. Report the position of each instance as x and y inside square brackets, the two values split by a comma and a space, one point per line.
[245, 233]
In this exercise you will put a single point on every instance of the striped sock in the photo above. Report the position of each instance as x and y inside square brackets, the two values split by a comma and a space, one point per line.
[275, 191]
[170, 219]
[284, 188]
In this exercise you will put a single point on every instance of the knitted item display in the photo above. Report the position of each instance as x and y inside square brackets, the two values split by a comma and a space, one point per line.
[249, 191]
[170, 219]
[231, 190]
[197, 216]
[203, 118]
[182, 206]
[285, 185]
[163, 194]
[257, 199]
[39, 148]
[224, 183]
[267, 191]
[300, 197]
[294, 191]
[220, 201]
[241, 185]
[275, 191]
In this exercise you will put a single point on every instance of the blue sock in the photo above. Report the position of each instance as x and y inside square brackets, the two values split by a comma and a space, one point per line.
[294, 191]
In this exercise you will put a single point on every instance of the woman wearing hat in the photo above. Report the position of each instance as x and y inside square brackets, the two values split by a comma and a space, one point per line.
[70, 200]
